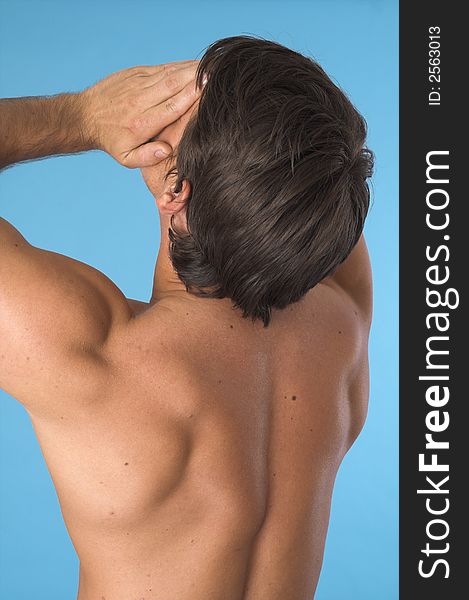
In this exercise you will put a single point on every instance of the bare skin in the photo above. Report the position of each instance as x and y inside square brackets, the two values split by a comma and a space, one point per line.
[193, 452]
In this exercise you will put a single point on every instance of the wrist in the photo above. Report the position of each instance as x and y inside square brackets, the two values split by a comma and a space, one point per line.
[76, 120]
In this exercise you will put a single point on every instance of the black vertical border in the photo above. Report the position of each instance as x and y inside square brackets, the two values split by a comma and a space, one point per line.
[425, 128]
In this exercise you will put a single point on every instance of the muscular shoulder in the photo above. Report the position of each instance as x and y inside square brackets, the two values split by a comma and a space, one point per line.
[54, 311]
[353, 278]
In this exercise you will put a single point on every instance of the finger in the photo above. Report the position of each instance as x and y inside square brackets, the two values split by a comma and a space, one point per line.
[161, 88]
[157, 71]
[170, 71]
[154, 73]
[172, 134]
[147, 155]
[174, 64]
[165, 113]
[177, 64]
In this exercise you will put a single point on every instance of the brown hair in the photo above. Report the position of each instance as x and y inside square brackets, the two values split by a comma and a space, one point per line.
[276, 159]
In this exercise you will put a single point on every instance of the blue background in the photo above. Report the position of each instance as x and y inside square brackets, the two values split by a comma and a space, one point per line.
[89, 207]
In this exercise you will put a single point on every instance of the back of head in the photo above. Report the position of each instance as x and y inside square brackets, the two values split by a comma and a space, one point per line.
[277, 165]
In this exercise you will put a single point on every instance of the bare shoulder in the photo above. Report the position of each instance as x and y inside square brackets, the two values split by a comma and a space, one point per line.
[55, 314]
[353, 286]
[354, 279]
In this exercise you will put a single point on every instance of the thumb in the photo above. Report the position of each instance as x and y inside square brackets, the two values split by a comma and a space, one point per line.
[147, 155]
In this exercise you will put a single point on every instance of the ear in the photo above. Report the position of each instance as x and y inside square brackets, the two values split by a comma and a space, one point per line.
[174, 203]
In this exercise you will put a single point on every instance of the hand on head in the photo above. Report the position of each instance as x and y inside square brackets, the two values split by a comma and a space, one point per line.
[138, 115]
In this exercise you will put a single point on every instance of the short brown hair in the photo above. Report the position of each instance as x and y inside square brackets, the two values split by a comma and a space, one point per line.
[276, 159]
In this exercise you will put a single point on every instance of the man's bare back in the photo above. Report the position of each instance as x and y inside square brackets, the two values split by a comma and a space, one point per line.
[194, 452]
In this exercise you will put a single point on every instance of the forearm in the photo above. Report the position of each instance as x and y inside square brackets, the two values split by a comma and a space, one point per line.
[40, 126]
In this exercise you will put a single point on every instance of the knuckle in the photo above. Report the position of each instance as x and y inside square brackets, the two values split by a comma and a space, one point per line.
[139, 69]
[131, 71]
[190, 91]
[170, 68]
[171, 106]
[172, 83]
[135, 124]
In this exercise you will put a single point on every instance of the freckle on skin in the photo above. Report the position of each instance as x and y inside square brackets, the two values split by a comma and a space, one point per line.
[231, 326]
[293, 397]
[112, 512]
[340, 332]
[219, 381]
[126, 464]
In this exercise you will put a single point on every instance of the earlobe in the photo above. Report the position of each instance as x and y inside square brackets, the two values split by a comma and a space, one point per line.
[163, 201]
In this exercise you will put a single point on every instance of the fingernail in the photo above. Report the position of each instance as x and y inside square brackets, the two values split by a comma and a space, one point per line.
[161, 153]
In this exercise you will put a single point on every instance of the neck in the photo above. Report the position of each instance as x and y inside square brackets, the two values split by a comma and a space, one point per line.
[167, 285]
[166, 282]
